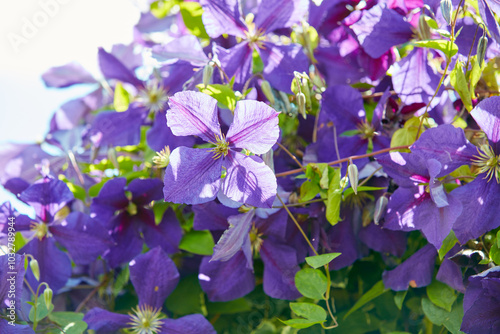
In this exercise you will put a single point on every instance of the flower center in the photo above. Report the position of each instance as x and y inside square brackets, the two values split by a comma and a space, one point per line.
[487, 162]
[40, 229]
[146, 320]
[366, 130]
[253, 36]
[154, 97]
[221, 147]
[255, 239]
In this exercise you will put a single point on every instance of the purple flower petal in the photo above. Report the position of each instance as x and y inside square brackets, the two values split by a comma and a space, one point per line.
[160, 135]
[47, 196]
[278, 14]
[167, 234]
[489, 19]
[193, 113]
[280, 61]
[449, 272]
[236, 62]
[212, 216]
[344, 106]
[383, 240]
[189, 324]
[23, 222]
[127, 239]
[487, 116]
[406, 169]
[341, 238]
[54, 264]
[6, 328]
[380, 28]
[154, 276]
[480, 202]
[228, 280]
[280, 267]
[414, 80]
[233, 238]
[249, 180]
[12, 273]
[110, 199]
[223, 17]
[104, 321]
[255, 127]
[83, 237]
[416, 271]
[192, 177]
[186, 47]
[112, 68]
[145, 190]
[67, 75]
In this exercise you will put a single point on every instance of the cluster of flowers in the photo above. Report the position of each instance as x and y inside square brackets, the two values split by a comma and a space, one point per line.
[195, 133]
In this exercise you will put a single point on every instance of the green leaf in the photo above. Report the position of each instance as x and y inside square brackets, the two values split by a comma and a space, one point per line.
[495, 253]
[349, 191]
[334, 196]
[300, 323]
[198, 242]
[257, 63]
[475, 74]
[399, 298]
[441, 295]
[376, 290]
[121, 281]
[320, 260]
[448, 244]
[185, 299]
[408, 134]
[438, 316]
[41, 310]
[308, 190]
[19, 241]
[191, 14]
[71, 322]
[450, 49]
[222, 93]
[309, 311]
[122, 98]
[161, 8]
[231, 307]
[458, 81]
[432, 23]
[311, 283]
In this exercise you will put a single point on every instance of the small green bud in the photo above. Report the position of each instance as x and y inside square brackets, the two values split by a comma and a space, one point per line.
[47, 296]
[112, 157]
[481, 49]
[343, 182]
[446, 10]
[35, 269]
[208, 71]
[380, 206]
[301, 103]
[268, 92]
[423, 28]
[352, 172]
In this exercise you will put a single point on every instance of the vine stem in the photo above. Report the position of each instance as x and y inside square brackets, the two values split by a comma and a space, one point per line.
[353, 157]
[291, 155]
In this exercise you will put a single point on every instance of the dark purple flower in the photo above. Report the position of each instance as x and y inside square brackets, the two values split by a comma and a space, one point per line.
[152, 289]
[482, 303]
[130, 221]
[194, 175]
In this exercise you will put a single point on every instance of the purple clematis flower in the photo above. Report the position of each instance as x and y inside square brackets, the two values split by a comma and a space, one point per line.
[482, 303]
[194, 175]
[224, 17]
[152, 290]
[134, 221]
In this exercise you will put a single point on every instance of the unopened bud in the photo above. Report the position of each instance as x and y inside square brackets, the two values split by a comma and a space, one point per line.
[112, 157]
[301, 104]
[380, 209]
[352, 172]
[343, 182]
[162, 158]
[446, 10]
[268, 92]
[47, 296]
[35, 269]
[423, 28]
[208, 70]
[481, 49]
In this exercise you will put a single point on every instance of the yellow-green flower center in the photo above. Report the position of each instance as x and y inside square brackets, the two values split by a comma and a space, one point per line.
[145, 320]
[221, 147]
[366, 130]
[40, 229]
[154, 97]
[255, 239]
[487, 162]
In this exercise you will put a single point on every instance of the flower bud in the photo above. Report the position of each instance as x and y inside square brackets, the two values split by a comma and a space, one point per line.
[35, 269]
[423, 28]
[301, 103]
[481, 49]
[446, 10]
[208, 71]
[380, 209]
[47, 296]
[268, 92]
[343, 182]
[352, 171]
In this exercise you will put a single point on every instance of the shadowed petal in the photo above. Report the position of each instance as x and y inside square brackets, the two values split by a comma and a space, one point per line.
[344, 106]
[280, 61]
[110, 199]
[407, 169]
[233, 238]
[127, 239]
[277, 14]
[154, 276]
[118, 128]
[11, 275]
[192, 177]
[487, 116]
[160, 135]
[489, 18]
[104, 321]
[193, 113]
[145, 190]
[226, 280]
[249, 180]
[223, 17]
[255, 127]
[189, 324]
[236, 62]
[112, 68]
[416, 271]
[167, 234]
[383, 240]
[212, 216]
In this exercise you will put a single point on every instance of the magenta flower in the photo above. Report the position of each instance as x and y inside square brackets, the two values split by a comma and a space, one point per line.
[194, 175]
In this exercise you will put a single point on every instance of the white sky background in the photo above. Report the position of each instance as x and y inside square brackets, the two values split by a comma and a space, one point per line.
[73, 33]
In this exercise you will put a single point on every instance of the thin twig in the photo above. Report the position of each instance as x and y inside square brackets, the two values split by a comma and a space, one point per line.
[291, 155]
